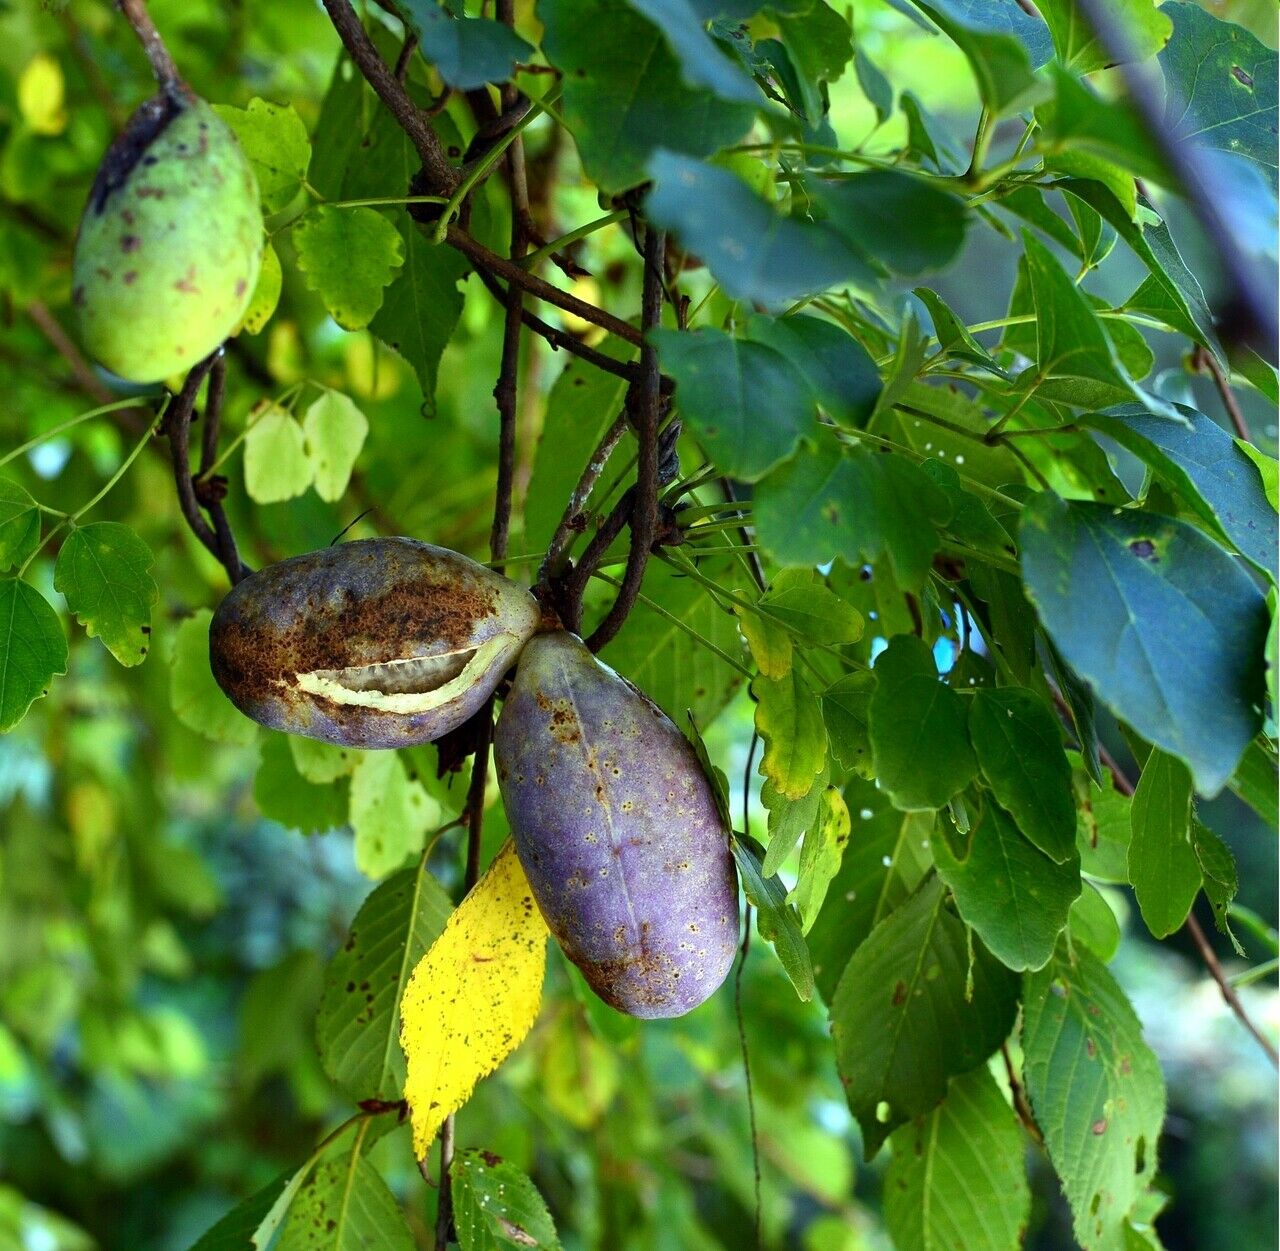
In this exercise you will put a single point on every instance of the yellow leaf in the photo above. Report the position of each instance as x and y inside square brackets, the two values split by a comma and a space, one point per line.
[473, 996]
[770, 644]
[42, 95]
[789, 719]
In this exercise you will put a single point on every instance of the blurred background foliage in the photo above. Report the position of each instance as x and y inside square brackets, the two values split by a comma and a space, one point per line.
[162, 940]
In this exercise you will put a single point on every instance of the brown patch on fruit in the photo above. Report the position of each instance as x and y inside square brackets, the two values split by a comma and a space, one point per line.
[187, 283]
[142, 129]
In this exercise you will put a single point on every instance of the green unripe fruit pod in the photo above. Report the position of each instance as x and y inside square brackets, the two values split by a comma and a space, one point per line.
[170, 244]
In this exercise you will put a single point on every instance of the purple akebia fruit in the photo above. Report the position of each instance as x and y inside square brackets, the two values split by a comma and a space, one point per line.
[617, 828]
[375, 643]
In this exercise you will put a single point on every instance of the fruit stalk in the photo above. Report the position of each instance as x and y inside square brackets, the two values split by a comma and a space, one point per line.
[162, 64]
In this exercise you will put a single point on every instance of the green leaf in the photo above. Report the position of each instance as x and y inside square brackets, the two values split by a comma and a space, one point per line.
[820, 857]
[1075, 359]
[886, 859]
[390, 813]
[1147, 30]
[266, 293]
[276, 464]
[839, 371]
[777, 920]
[274, 138]
[1268, 471]
[902, 1020]
[1019, 748]
[916, 717]
[1162, 861]
[747, 403]
[195, 697]
[868, 210]
[846, 708]
[810, 609]
[1096, 1090]
[104, 570]
[789, 720]
[321, 762]
[284, 795]
[1255, 779]
[495, 1206]
[1000, 61]
[1079, 123]
[753, 251]
[1012, 894]
[335, 431]
[1207, 468]
[421, 307]
[789, 819]
[662, 649]
[1165, 626]
[1103, 829]
[818, 45]
[339, 129]
[33, 649]
[768, 640]
[856, 506]
[1094, 924]
[1221, 86]
[348, 257]
[953, 335]
[702, 62]
[358, 1025]
[252, 1224]
[19, 524]
[958, 1176]
[875, 86]
[1221, 880]
[623, 93]
[345, 1206]
[466, 51]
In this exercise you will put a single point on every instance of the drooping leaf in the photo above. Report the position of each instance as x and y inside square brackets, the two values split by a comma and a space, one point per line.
[251, 1225]
[276, 465]
[753, 251]
[886, 859]
[104, 570]
[496, 1206]
[958, 1177]
[266, 293]
[789, 819]
[829, 503]
[1163, 866]
[473, 997]
[1103, 828]
[702, 63]
[789, 720]
[348, 257]
[624, 96]
[824, 845]
[846, 708]
[358, 1025]
[748, 404]
[1019, 748]
[195, 697]
[914, 717]
[1206, 466]
[902, 1020]
[875, 86]
[1096, 1090]
[335, 431]
[466, 51]
[274, 138]
[776, 919]
[1094, 924]
[1012, 894]
[321, 762]
[33, 650]
[1221, 880]
[799, 600]
[390, 813]
[420, 309]
[1165, 626]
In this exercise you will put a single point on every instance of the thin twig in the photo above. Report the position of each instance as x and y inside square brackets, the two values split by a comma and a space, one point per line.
[1228, 991]
[562, 540]
[737, 996]
[1205, 360]
[392, 93]
[646, 413]
[162, 64]
[584, 570]
[444, 1200]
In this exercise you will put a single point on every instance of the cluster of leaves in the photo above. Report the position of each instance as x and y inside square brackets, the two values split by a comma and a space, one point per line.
[950, 552]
